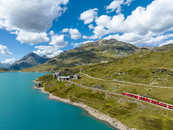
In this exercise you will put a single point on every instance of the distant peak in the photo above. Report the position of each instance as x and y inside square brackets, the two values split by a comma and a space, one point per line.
[32, 53]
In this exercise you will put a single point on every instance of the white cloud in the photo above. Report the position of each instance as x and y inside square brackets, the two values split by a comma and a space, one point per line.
[89, 15]
[4, 50]
[48, 51]
[90, 37]
[106, 25]
[103, 20]
[128, 2]
[99, 31]
[91, 26]
[8, 61]
[58, 41]
[34, 16]
[51, 33]
[74, 33]
[115, 5]
[32, 37]
[54, 48]
[151, 18]
[81, 43]
[145, 25]
[117, 24]
[167, 42]
[147, 39]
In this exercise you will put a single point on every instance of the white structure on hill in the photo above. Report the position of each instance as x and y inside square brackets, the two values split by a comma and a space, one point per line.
[60, 77]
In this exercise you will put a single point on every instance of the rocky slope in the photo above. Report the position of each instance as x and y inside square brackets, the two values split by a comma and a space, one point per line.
[28, 61]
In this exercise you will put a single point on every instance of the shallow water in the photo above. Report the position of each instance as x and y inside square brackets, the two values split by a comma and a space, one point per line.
[24, 108]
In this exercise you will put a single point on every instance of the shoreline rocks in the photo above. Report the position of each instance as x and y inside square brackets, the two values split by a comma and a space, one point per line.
[93, 112]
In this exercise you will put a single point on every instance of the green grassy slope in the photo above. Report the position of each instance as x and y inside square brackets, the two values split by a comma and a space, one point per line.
[94, 52]
[147, 73]
[155, 67]
[134, 114]
[89, 53]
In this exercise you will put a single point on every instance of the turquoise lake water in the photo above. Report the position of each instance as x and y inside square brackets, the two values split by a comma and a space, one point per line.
[24, 108]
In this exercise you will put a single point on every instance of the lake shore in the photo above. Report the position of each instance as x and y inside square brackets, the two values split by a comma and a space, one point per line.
[93, 112]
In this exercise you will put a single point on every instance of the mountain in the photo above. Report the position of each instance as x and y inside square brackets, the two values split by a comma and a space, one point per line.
[93, 52]
[164, 47]
[3, 70]
[101, 51]
[148, 73]
[28, 61]
[148, 66]
[5, 66]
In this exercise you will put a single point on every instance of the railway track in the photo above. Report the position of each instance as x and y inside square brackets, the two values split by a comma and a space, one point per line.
[149, 101]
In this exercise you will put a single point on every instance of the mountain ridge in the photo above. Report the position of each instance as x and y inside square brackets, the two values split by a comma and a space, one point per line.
[101, 51]
[30, 60]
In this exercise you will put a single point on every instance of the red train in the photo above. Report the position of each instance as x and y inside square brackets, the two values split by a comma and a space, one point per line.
[149, 100]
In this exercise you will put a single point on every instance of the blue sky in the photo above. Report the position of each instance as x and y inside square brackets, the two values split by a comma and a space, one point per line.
[50, 27]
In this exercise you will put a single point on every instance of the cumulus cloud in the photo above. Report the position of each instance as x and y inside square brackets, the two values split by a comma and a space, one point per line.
[48, 51]
[137, 39]
[74, 33]
[34, 16]
[54, 48]
[58, 41]
[107, 24]
[144, 25]
[103, 20]
[91, 26]
[89, 15]
[4, 50]
[92, 37]
[8, 61]
[32, 37]
[151, 18]
[115, 5]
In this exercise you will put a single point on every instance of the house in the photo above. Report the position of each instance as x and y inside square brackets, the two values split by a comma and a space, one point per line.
[60, 77]
[63, 78]
[57, 74]
[76, 76]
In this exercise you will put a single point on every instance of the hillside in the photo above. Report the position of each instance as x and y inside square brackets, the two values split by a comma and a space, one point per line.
[165, 47]
[6, 66]
[148, 73]
[3, 70]
[151, 67]
[28, 61]
[101, 51]
[94, 52]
